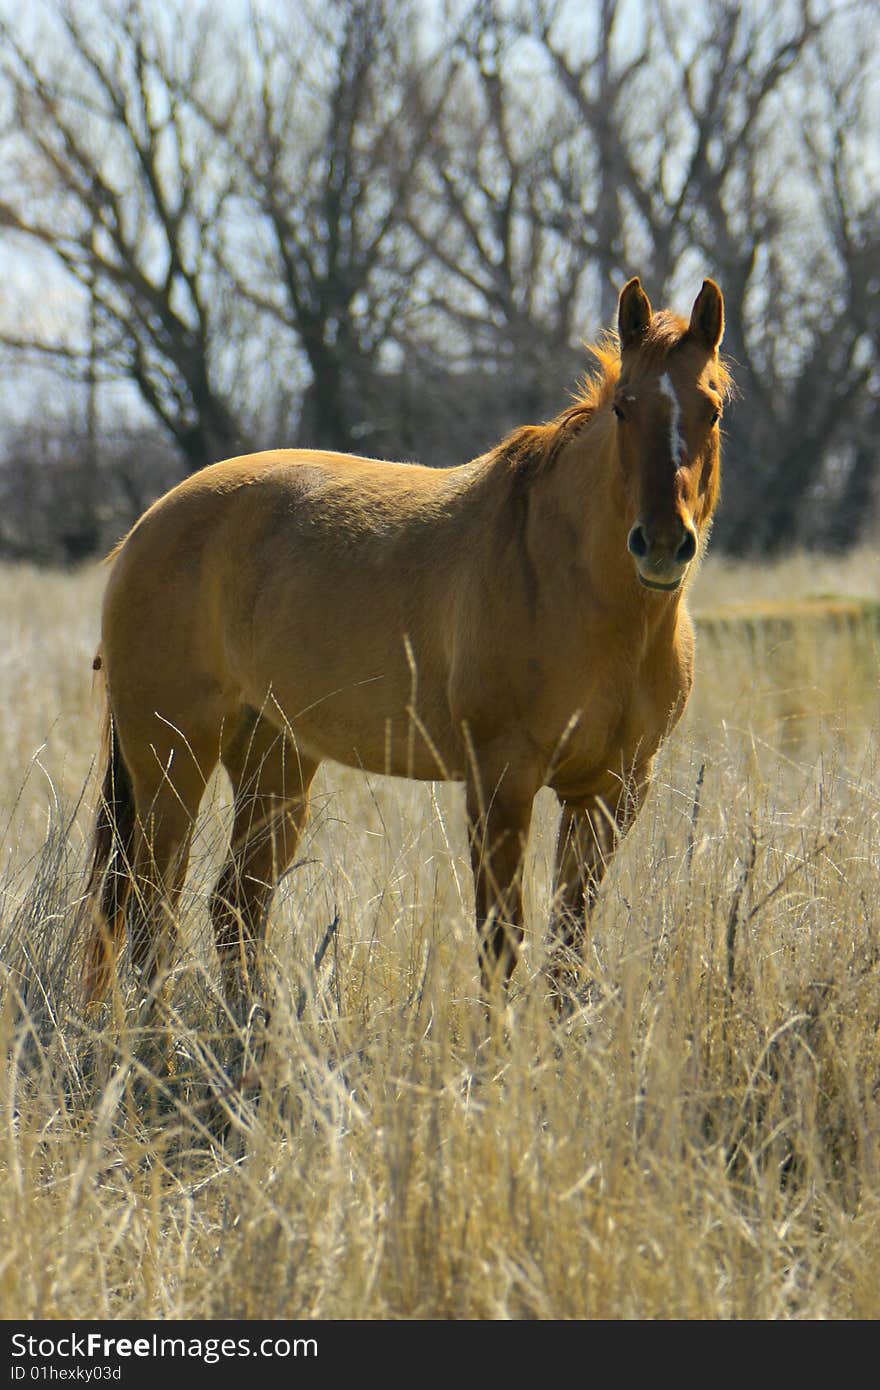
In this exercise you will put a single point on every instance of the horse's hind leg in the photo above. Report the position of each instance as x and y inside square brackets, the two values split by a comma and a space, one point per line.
[270, 781]
[167, 803]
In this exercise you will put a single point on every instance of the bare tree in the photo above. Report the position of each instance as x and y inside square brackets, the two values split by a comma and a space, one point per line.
[817, 390]
[734, 142]
[381, 226]
[105, 168]
[343, 99]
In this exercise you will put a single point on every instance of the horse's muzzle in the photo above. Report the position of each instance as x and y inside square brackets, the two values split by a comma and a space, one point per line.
[669, 587]
[661, 563]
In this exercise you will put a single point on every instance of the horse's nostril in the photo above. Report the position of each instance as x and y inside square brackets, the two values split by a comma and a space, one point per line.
[636, 543]
[688, 548]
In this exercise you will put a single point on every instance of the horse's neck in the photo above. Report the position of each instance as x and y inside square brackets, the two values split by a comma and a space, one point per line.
[577, 542]
[578, 521]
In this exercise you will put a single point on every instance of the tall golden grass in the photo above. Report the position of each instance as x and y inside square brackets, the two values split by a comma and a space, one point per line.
[699, 1140]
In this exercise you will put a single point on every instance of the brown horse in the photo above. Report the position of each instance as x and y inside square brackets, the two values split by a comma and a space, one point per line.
[512, 623]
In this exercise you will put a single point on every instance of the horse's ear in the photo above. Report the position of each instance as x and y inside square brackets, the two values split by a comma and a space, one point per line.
[633, 314]
[707, 316]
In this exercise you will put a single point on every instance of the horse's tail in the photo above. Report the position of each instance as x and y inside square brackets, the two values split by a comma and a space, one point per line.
[110, 875]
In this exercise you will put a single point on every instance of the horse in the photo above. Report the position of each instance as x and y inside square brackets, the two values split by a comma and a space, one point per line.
[514, 622]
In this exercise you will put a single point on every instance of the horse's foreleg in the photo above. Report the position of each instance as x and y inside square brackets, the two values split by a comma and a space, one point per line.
[499, 828]
[589, 832]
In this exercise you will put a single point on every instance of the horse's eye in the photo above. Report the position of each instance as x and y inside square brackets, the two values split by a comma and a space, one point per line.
[716, 416]
[618, 412]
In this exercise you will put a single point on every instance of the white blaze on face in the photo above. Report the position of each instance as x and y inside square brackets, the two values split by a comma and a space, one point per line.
[676, 441]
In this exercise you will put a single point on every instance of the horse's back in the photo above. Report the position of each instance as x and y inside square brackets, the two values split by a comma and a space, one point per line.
[313, 497]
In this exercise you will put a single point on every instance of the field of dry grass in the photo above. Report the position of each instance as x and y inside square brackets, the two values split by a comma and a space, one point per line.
[700, 1140]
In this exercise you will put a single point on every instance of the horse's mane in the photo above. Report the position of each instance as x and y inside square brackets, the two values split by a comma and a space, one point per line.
[531, 449]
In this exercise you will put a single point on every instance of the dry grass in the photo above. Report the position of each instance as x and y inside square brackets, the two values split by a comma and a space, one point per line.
[699, 1141]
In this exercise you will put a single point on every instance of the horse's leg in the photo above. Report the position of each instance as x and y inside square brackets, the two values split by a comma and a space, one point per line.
[161, 856]
[168, 788]
[270, 781]
[499, 814]
[589, 832]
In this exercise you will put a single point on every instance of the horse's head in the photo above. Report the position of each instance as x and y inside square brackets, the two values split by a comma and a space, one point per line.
[668, 404]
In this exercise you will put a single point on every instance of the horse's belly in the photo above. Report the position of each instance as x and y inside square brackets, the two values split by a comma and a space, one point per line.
[396, 746]
[356, 666]
[363, 716]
